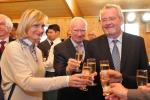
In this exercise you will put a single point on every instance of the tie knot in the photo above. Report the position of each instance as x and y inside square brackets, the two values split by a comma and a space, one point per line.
[51, 43]
[2, 42]
[114, 41]
[79, 47]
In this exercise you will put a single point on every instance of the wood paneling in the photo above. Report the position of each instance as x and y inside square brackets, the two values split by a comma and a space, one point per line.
[93, 24]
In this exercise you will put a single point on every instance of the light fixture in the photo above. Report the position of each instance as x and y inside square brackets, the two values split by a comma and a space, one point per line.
[131, 17]
[146, 17]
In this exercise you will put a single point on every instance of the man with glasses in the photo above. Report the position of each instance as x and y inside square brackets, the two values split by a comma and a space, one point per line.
[126, 53]
[65, 62]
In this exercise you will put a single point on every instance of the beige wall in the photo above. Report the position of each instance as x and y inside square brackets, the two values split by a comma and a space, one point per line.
[93, 24]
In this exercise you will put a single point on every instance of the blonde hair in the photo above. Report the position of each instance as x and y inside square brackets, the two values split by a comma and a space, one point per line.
[109, 6]
[7, 21]
[29, 17]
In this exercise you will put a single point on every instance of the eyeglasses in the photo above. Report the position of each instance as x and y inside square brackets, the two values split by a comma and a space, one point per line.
[109, 19]
[2, 25]
[79, 30]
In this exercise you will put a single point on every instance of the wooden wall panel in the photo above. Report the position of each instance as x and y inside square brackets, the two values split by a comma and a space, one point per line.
[93, 24]
[63, 23]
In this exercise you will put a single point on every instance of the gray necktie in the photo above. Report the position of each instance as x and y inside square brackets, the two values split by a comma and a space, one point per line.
[116, 56]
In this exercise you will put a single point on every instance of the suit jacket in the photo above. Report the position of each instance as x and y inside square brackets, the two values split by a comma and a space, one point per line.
[134, 94]
[62, 52]
[133, 56]
[19, 66]
[44, 47]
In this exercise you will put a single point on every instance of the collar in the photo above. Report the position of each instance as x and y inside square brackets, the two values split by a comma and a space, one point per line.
[57, 40]
[49, 41]
[119, 38]
[6, 39]
[27, 42]
[75, 44]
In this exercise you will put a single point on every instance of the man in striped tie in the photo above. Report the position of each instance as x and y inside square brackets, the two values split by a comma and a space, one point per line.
[126, 53]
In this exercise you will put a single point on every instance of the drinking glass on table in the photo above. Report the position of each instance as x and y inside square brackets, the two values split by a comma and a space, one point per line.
[79, 58]
[91, 62]
[105, 80]
[86, 71]
[142, 77]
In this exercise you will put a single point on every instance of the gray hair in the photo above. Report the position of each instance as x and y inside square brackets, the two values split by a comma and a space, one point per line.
[8, 21]
[109, 6]
[77, 19]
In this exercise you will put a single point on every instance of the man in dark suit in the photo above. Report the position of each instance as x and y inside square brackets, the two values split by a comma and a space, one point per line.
[65, 62]
[131, 49]
[5, 29]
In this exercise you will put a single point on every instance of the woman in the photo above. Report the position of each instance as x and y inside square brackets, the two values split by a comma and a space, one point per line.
[21, 62]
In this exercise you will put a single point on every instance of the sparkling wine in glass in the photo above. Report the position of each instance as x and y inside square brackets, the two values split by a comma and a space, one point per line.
[142, 77]
[86, 71]
[91, 62]
[79, 57]
[105, 80]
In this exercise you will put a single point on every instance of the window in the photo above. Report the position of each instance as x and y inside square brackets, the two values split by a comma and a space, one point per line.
[132, 28]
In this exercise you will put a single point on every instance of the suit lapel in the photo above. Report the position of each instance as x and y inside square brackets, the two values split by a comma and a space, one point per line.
[105, 53]
[71, 49]
[125, 48]
[86, 49]
[47, 45]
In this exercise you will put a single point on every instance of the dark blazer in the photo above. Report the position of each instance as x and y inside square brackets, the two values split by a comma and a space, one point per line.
[133, 56]
[62, 52]
[44, 47]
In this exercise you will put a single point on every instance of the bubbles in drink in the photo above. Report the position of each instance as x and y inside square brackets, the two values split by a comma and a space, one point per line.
[141, 80]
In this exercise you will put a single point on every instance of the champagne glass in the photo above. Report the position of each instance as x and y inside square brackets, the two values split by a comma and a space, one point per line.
[86, 73]
[105, 80]
[142, 77]
[91, 62]
[79, 58]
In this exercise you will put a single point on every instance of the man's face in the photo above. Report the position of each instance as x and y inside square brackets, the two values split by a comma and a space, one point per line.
[111, 22]
[4, 31]
[52, 35]
[78, 31]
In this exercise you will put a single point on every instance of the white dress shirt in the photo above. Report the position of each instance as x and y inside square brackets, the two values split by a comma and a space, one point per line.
[49, 63]
[119, 44]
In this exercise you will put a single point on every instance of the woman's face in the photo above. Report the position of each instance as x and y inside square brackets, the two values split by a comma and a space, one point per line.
[35, 32]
